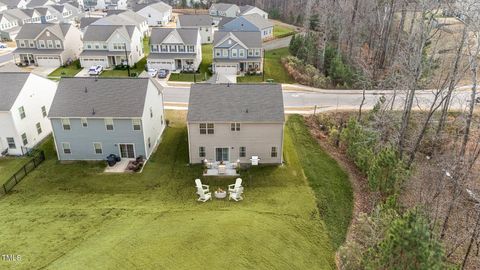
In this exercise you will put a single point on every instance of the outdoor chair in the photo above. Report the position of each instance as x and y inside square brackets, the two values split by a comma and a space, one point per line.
[201, 188]
[236, 186]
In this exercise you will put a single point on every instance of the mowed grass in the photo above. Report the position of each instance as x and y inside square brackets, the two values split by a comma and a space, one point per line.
[67, 71]
[203, 72]
[73, 216]
[273, 68]
[282, 31]
[9, 166]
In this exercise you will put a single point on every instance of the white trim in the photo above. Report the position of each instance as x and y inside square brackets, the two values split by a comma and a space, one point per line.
[95, 150]
[120, 152]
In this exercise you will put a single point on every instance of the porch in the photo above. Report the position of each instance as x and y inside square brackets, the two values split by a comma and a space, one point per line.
[250, 67]
[221, 168]
[25, 59]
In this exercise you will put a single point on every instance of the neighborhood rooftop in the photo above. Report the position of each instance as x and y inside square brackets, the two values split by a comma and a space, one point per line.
[195, 20]
[258, 21]
[103, 32]
[32, 30]
[188, 36]
[11, 83]
[100, 97]
[250, 39]
[223, 6]
[236, 103]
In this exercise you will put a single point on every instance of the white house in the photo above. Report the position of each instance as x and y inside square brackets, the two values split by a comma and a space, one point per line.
[126, 17]
[111, 45]
[157, 14]
[204, 24]
[93, 118]
[11, 4]
[26, 99]
[247, 10]
[8, 26]
[224, 10]
[175, 49]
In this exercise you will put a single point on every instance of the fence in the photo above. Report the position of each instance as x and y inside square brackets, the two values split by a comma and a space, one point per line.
[37, 157]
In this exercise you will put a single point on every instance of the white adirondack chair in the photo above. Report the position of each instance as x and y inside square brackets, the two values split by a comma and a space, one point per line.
[237, 185]
[200, 187]
[203, 197]
[235, 190]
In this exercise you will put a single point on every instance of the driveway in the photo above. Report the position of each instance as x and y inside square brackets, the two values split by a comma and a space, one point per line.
[83, 73]
[43, 71]
[277, 43]
[5, 56]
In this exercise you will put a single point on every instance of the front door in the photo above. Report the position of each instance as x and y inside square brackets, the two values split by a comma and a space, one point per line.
[242, 67]
[179, 64]
[127, 151]
[221, 154]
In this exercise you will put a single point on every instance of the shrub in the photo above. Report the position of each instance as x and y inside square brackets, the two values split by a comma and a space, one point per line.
[386, 172]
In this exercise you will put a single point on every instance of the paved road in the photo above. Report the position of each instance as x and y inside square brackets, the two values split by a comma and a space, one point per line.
[5, 58]
[277, 43]
[325, 101]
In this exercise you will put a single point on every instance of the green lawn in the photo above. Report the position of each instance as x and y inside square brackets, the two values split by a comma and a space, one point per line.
[9, 166]
[73, 216]
[204, 74]
[140, 67]
[146, 45]
[282, 31]
[273, 68]
[68, 71]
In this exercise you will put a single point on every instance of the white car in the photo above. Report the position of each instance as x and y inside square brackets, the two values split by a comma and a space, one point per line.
[152, 72]
[3, 46]
[95, 70]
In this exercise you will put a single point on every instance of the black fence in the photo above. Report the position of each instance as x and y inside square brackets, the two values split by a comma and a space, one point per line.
[36, 157]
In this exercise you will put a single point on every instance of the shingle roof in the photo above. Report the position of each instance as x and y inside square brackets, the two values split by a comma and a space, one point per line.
[245, 8]
[107, 97]
[36, 3]
[103, 32]
[250, 39]
[189, 36]
[260, 103]
[223, 6]
[224, 21]
[160, 6]
[195, 20]
[11, 84]
[258, 21]
[17, 13]
[86, 21]
[32, 30]
[11, 3]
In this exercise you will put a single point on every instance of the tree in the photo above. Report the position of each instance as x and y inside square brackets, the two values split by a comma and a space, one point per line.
[314, 22]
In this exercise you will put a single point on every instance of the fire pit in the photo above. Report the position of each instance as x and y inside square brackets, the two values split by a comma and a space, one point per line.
[220, 194]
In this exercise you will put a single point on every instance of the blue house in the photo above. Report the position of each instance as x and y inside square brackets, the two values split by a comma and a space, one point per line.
[248, 23]
[95, 117]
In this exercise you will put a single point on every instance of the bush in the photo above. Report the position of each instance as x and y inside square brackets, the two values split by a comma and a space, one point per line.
[386, 172]
[304, 74]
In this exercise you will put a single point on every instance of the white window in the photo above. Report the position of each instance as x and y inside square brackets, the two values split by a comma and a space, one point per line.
[173, 48]
[44, 111]
[250, 52]
[257, 52]
[31, 43]
[84, 122]
[97, 147]
[41, 43]
[234, 52]
[242, 151]
[181, 48]
[203, 128]
[109, 123]
[151, 112]
[22, 43]
[241, 53]
[21, 111]
[50, 44]
[274, 152]
[149, 142]
[201, 151]
[39, 128]
[24, 139]
[218, 52]
[66, 148]
[137, 124]
[191, 48]
[164, 48]
[225, 53]
[89, 46]
[66, 124]
[235, 126]
[11, 143]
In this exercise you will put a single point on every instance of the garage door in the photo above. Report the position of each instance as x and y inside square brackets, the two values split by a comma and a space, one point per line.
[227, 69]
[48, 61]
[161, 64]
[91, 61]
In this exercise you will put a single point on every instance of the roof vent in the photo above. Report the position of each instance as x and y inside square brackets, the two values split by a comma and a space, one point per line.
[93, 111]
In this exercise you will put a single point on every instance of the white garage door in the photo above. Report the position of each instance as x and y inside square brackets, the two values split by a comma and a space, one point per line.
[48, 61]
[165, 64]
[91, 61]
[227, 69]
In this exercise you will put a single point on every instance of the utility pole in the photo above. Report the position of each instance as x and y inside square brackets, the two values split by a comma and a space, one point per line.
[263, 65]
[126, 56]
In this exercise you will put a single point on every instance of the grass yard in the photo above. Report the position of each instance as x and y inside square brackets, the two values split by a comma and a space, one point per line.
[140, 67]
[273, 68]
[68, 71]
[73, 216]
[282, 31]
[9, 166]
[204, 74]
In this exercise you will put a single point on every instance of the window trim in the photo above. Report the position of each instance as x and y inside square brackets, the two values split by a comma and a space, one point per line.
[202, 153]
[64, 121]
[38, 125]
[84, 122]
[243, 153]
[274, 152]
[44, 111]
[69, 148]
[10, 143]
[139, 124]
[24, 140]
[106, 124]
[95, 149]
[235, 126]
[21, 111]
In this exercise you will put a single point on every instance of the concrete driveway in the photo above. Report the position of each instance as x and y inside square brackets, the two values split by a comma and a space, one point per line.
[43, 71]
[83, 73]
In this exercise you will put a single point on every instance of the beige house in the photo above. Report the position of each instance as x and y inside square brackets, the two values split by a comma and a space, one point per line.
[233, 122]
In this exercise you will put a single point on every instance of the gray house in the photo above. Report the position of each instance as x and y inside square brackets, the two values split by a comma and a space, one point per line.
[233, 122]
[93, 118]
[249, 23]
[237, 52]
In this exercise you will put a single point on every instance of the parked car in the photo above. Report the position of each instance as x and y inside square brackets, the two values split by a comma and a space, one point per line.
[95, 70]
[3, 46]
[162, 73]
[152, 72]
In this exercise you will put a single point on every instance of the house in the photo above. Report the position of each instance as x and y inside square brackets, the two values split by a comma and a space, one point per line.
[233, 122]
[40, 15]
[125, 17]
[175, 49]
[20, 15]
[8, 26]
[93, 118]
[204, 24]
[247, 10]
[49, 45]
[224, 10]
[26, 99]
[111, 45]
[65, 13]
[157, 14]
[237, 52]
[249, 23]
[11, 4]
[3, 7]
[105, 4]
[40, 3]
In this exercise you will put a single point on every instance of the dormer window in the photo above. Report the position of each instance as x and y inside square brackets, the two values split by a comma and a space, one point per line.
[181, 48]
[48, 33]
[41, 43]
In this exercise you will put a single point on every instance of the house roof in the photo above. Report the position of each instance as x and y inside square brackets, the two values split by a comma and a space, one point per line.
[168, 56]
[245, 8]
[236, 103]
[32, 30]
[11, 84]
[222, 6]
[195, 20]
[11, 3]
[258, 21]
[41, 10]
[58, 8]
[225, 20]
[126, 17]
[36, 3]
[189, 36]
[86, 21]
[157, 5]
[104, 32]
[100, 97]
[250, 39]
[17, 13]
